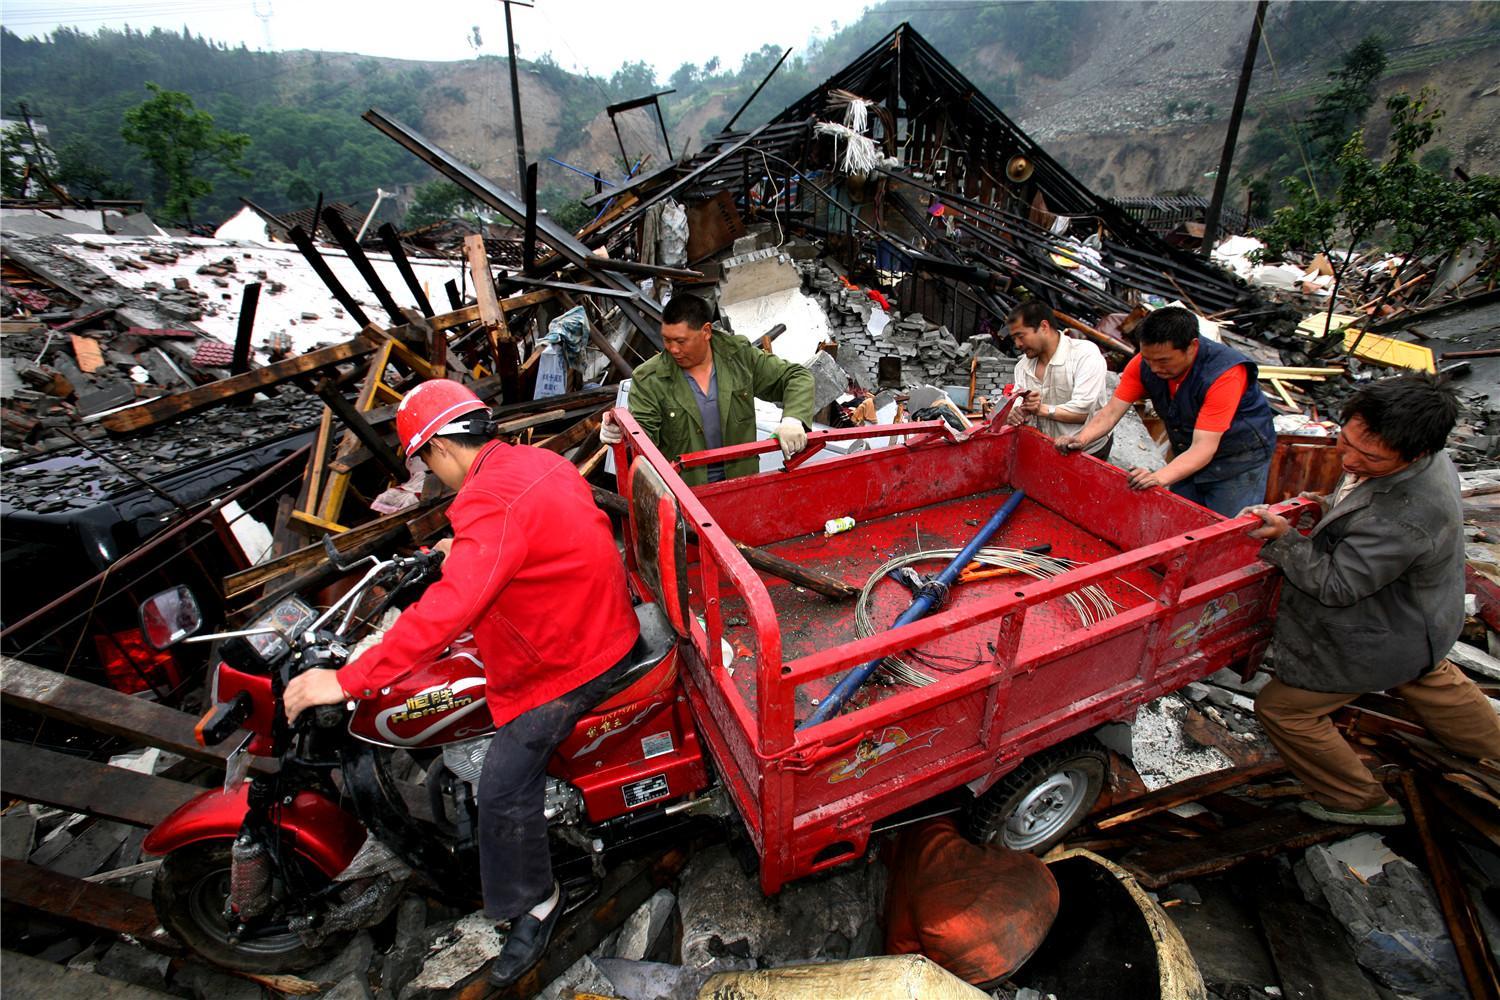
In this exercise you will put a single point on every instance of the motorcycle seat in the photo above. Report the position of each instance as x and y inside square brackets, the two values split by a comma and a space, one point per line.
[651, 648]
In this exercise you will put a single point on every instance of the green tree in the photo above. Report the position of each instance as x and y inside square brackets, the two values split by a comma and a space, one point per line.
[1397, 203]
[1341, 110]
[180, 142]
[570, 213]
[1312, 145]
[81, 172]
[438, 200]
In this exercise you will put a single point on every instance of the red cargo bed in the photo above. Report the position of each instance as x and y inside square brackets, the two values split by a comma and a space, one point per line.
[1015, 669]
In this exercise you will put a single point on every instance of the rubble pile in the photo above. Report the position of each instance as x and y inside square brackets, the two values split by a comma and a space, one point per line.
[928, 352]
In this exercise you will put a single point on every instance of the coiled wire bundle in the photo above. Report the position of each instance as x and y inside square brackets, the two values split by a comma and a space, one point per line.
[1090, 603]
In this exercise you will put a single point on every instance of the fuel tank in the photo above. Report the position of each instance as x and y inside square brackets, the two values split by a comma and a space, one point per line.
[439, 702]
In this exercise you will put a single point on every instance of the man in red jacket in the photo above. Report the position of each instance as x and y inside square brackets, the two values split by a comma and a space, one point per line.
[533, 572]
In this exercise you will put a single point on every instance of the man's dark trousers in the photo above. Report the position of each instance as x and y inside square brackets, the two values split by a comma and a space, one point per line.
[515, 862]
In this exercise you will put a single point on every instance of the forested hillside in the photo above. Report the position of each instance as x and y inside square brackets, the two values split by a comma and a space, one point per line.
[1132, 95]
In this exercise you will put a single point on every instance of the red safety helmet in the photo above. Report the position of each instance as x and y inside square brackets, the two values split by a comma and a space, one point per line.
[436, 407]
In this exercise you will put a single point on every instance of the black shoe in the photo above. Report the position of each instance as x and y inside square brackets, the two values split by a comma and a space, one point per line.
[525, 944]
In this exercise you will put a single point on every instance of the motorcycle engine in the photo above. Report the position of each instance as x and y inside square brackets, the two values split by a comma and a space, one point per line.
[466, 761]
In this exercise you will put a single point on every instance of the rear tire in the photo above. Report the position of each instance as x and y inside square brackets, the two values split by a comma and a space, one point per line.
[189, 893]
[1038, 803]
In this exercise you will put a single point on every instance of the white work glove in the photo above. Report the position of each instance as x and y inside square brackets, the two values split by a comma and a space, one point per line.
[792, 435]
[609, 431]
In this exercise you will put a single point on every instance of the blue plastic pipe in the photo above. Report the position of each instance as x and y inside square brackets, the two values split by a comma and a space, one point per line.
[920, 607]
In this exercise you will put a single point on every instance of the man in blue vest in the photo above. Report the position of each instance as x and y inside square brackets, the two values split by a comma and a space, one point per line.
[1217, 418]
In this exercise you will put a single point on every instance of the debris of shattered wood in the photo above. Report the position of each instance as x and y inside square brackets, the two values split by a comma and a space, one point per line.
[83, 786]
[79, 902]
[1182, 793]
[1475, 958]
[192, 400]
[348, 543]
[104, 710]
[1280, 830]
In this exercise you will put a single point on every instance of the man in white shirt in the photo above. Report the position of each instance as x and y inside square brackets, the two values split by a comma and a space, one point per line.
[1063, 378]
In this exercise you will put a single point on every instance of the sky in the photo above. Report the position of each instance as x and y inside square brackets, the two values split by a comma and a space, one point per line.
[592, 36]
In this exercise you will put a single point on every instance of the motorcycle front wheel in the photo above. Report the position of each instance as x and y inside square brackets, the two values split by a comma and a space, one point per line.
[191, 887]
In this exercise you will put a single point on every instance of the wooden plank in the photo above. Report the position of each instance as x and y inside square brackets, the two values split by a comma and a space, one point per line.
[313, 481]
[587, 466]
[1390, 351]
[311, 555]
[28, 978]
[762, 560]
[458, 317]
[84, 786]
[316, 523]
[1280, 831]
[324, 514]
[1474, 957]
[77, 901]
[367, 435]
[564, 440]
[103, 710]
[490, 313]
[1183, 792]
[192, 400]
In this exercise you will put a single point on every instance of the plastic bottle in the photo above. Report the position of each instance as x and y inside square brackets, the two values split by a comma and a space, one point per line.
[837, 524]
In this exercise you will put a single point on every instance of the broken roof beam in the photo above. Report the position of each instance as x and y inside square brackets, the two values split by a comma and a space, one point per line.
[680, 183]
[53, 695]
[642, 312]
[79, 785]
[356, 254]
[392, 241]
[756, 92]
[320, 267]
[180, 404]
[640, 102]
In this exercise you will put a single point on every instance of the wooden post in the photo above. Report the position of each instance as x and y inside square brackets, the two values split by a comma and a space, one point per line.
[490, 313]
[366, 434]
[241, 362]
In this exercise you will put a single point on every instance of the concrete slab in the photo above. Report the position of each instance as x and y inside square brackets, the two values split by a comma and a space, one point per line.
[29, 978]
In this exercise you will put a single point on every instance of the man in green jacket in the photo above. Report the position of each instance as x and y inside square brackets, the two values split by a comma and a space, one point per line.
[700, 393]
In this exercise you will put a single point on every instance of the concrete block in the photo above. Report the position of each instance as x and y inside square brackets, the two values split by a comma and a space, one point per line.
[583, 976]
[17, 832]
[644, 928]
[753, 275]
[652, 980]
[131, 963]
[829, 380]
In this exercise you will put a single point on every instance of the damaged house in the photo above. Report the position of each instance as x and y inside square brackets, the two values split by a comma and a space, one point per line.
[221, 413]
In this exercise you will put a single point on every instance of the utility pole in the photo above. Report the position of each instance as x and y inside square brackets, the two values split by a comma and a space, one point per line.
[515, 98]
[1226, 158]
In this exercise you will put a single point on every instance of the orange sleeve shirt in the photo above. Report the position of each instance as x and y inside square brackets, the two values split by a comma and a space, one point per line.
[1219, 404]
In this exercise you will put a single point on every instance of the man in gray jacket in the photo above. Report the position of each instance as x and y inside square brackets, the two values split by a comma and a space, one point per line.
[1374, 600]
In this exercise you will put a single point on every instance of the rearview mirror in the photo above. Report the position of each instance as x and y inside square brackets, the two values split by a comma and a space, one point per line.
[170, 617]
